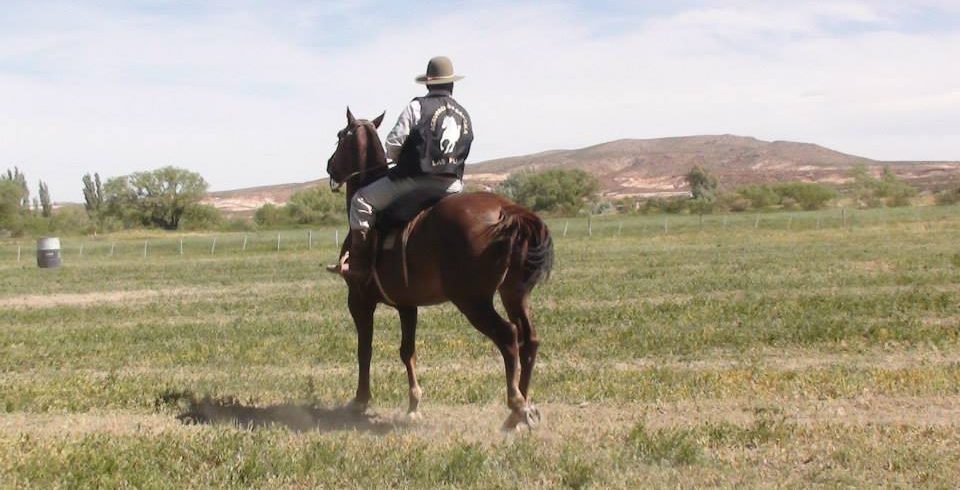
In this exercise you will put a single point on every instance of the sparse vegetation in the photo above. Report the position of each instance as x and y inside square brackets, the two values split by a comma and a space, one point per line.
[949, 196]
[733, 356]
[889, 190]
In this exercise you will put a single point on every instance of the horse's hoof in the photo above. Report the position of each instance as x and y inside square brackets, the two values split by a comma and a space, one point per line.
[532, 417]
[413, 417]
[528, 416]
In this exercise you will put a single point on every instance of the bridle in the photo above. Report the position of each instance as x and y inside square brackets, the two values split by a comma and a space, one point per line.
[335, 185]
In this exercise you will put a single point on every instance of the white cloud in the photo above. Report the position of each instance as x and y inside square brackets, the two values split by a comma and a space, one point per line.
[255, 96]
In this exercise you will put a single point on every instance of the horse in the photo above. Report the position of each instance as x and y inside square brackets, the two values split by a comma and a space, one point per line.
[464, 249]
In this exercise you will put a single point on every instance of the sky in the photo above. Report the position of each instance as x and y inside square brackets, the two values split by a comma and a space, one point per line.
[253, 93]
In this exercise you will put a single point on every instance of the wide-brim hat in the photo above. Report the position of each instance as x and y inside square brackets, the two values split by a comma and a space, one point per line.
[439, 70]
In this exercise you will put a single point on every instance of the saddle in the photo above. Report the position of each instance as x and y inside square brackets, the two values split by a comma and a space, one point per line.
[395, 224]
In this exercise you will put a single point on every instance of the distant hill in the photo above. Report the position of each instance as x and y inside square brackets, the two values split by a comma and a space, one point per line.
[655, 167]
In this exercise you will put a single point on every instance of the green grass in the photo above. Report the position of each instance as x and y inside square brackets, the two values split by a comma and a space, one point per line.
[638, 324]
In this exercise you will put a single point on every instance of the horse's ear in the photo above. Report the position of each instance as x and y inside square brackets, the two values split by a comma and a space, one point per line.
[350, 118]
[379, 119]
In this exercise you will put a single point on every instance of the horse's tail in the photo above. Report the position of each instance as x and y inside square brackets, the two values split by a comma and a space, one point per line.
[531, 251]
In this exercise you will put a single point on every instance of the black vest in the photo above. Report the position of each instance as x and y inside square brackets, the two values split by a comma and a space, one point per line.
[440, 142]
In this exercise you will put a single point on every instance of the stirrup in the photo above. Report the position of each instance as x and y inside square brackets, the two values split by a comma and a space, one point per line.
[340, 266]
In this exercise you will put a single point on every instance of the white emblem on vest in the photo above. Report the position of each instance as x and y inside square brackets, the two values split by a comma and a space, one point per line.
[451, 134]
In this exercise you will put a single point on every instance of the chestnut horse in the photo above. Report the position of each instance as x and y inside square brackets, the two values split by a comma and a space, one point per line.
[464, 249]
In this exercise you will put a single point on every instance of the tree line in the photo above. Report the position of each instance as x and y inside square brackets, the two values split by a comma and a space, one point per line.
[170, 198]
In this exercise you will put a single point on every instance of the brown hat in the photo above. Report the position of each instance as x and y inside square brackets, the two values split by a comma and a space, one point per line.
[439, 70]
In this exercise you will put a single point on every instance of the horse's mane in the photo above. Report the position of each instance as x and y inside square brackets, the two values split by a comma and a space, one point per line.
[372, 158]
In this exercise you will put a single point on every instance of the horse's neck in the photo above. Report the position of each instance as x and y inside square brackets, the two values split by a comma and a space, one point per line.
[379, 170]
[374, 168]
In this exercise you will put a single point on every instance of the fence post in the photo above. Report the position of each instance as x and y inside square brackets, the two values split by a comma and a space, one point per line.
[18, 252]
[309, 239]
[213, 248]
[145, 242]
[843, 216]
[244, 248]
[666, 225]
[181, 245]
[589, 224]
[278, 241]
[620, 228]
[336, 238]
[81, 249]
[565, 226]
[112, 245]
[756, 224]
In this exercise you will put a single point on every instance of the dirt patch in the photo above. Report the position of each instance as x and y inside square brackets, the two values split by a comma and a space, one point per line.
[142, 295]
[482, 422]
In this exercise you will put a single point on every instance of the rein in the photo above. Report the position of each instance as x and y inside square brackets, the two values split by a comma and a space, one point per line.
[336, 185]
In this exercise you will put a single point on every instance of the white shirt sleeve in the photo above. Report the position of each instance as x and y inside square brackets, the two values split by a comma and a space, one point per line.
[407, 120]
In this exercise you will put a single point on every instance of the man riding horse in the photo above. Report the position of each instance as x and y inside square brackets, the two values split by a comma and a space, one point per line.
[429, 147]
[465, 249]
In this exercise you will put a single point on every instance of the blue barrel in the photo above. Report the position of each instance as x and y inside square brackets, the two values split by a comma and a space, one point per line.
[48, 252]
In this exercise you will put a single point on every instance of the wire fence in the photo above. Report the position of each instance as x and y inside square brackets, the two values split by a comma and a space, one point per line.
[327, 241]
[106, 247]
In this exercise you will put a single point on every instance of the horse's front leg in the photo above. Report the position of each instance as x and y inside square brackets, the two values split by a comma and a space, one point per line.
[408, 354]
[361, 309]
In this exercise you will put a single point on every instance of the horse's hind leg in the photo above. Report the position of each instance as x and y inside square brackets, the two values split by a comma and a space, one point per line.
[408, 354]
[517, 303]
[485, 318]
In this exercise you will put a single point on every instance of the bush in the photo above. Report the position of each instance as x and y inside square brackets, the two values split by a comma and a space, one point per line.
[563, 191]
[71, 219]
[948, 197]
[809, 196]
[889, 190]
[760, 196]
[673, 205]
[270, 216]
[731, 201]
[201, 217]
[316, 206]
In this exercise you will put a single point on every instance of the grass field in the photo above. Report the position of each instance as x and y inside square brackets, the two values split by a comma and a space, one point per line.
[754, 350]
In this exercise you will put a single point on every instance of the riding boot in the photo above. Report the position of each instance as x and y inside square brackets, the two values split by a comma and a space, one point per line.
[341, 260]
[360, 256]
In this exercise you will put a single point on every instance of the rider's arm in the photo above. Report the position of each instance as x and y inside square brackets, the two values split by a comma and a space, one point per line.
[407, 120]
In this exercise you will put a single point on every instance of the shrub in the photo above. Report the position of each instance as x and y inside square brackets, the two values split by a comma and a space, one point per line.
[807, 195]
[731, 201]
[948, 197]
[201, 217]
[563, 191]
[270, 215]
[760, 196]
[889, 190]
[673, 205]
[315, 206]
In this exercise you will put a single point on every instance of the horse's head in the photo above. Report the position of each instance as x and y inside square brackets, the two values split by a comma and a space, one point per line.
[358, 150]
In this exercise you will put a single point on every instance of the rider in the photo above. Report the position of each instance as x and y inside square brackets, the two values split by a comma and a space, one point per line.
[428, 145]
